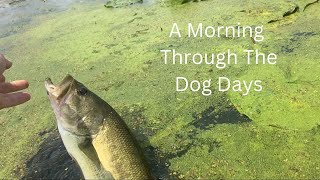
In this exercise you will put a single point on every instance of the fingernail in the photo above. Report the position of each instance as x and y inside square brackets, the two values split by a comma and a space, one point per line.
[27, 96]
[27, 84]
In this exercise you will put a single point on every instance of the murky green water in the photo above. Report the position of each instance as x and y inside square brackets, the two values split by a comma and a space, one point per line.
[272, 134]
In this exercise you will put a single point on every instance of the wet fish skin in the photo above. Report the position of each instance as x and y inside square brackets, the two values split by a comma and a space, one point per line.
[84, 114]
[118, 151]
[84, 154]
[78, 147]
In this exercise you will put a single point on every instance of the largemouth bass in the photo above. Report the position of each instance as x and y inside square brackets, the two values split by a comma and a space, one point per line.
[94, 134]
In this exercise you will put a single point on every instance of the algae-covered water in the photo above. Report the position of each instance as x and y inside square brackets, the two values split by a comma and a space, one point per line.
[272, 134]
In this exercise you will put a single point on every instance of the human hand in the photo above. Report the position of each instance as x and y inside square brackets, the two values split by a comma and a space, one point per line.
[8, 95]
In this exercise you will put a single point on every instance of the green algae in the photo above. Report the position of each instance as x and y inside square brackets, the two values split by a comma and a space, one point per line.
[121, 3]
[115, 52]
[256, 152]
[291, 87]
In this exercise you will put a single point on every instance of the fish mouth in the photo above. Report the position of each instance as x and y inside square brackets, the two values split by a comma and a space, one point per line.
[60, 90]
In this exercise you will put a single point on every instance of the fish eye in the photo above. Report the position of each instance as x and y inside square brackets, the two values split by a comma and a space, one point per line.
[82, 91]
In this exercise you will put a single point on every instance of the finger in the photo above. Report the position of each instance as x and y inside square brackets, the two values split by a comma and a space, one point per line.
[13, 86]
[4, 64]
[8, 63]
[13, 99]
[2, 78]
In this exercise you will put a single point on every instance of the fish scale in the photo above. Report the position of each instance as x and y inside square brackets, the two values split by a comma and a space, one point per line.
[125, 160]
[107, 149]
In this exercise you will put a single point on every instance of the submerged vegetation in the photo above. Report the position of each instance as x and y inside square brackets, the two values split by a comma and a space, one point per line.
[272, 134]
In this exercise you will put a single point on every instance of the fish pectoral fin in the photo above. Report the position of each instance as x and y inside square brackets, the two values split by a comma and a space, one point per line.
[88, 150]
